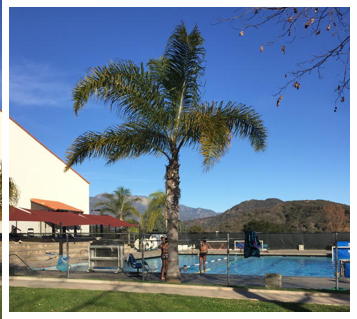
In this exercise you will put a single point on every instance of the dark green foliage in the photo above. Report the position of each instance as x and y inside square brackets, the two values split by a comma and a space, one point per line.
[196, 229]
[265, 227]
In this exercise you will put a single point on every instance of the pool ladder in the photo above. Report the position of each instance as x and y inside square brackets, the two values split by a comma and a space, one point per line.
[27, 266]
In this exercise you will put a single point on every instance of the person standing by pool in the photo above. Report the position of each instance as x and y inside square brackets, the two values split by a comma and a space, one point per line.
[203, 255]
[164, 246]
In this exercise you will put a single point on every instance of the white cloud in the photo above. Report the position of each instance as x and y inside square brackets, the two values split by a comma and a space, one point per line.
[39, 84]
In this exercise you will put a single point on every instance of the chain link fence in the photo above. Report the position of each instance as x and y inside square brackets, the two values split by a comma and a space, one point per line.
[105, 255]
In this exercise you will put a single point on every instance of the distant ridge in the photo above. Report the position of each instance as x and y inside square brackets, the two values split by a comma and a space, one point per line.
[280, 216]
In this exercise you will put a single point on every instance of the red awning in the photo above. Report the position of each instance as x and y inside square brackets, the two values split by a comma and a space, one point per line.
[18, 214]
[64, 218]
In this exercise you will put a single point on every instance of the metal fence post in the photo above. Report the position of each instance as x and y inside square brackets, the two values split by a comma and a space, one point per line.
[228, 259]
[336, 263]
[67, 255]
[142, 256]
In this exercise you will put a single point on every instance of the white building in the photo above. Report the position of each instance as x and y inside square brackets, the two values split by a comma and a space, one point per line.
[39, 175]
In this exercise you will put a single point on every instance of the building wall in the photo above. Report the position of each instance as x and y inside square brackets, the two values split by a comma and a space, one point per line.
[39, 173]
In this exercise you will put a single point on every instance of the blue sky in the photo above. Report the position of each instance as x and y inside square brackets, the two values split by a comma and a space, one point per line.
[308, 146]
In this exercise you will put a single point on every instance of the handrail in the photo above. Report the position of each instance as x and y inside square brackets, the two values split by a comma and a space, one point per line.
[22, 261]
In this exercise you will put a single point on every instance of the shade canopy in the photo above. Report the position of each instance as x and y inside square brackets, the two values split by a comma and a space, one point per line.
[64, 218]
[110, 221]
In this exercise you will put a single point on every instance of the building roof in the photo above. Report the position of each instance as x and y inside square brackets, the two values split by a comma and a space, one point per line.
[19, 214]
[47, 148]
[56, 206]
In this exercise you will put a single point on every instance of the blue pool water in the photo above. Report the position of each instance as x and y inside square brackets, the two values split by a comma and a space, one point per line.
[286, 266]
[217, 264]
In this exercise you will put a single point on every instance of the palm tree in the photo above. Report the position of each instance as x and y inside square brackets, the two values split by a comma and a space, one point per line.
[13, 190]
[155, 214]
[119, 203]
[163, 111]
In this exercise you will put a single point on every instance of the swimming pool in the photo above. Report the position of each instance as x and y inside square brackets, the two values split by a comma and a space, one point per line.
[217, 264]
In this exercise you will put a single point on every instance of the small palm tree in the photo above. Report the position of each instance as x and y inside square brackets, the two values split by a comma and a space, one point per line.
[155, 213]
[13, 191]
[164, 113]
[119, 203]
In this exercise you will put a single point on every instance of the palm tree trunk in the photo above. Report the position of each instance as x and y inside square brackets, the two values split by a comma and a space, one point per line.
[172, 207]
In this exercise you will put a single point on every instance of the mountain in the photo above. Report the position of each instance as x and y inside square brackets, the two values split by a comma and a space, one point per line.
[189, 213]
[186, 213]
[275, 215]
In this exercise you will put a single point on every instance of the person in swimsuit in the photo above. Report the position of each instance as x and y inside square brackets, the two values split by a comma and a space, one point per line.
[203, 255]
[164, 256]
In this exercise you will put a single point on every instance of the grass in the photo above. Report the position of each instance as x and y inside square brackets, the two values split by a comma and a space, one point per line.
[44, 299]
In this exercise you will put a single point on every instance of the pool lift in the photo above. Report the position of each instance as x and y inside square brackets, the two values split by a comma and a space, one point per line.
[106, 257]
[341, 257]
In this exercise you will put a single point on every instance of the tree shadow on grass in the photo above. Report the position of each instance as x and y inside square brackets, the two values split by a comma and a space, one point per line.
[131, 302]
[89, 302]
[16, 304]
[292, 306]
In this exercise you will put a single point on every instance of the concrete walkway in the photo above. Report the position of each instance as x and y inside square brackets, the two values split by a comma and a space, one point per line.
[317, 283]
[186, 290]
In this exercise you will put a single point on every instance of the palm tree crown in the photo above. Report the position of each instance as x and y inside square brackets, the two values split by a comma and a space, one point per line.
[119, 203]
[163, 110]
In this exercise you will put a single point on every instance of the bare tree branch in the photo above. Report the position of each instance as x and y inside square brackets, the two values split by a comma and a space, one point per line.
[301, 23]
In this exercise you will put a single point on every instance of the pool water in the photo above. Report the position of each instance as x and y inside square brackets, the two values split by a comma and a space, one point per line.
[238, 265]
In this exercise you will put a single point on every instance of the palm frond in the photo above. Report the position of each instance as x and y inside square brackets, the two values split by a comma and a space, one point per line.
[130, 210]
[211, 126]
[123, 141]
[185, 54]
[125, 86]
[178, 71]
[105, 206]
[154, 212]
[108, 198]
[14, 192]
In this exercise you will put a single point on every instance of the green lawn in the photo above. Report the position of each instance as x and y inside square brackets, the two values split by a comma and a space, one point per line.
[40, 299]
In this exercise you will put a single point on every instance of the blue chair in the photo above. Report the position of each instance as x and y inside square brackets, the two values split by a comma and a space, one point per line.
[62, 263]
[132, 262]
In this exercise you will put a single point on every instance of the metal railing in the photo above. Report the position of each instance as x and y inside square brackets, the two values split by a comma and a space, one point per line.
[225, 250]
[26, 265]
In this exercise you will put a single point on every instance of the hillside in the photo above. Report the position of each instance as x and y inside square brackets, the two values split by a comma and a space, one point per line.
[186, 213]
[275, 215]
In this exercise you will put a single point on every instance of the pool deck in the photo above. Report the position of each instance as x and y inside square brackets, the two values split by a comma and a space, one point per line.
[274, 252]
[288, 282]
[185, 289]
